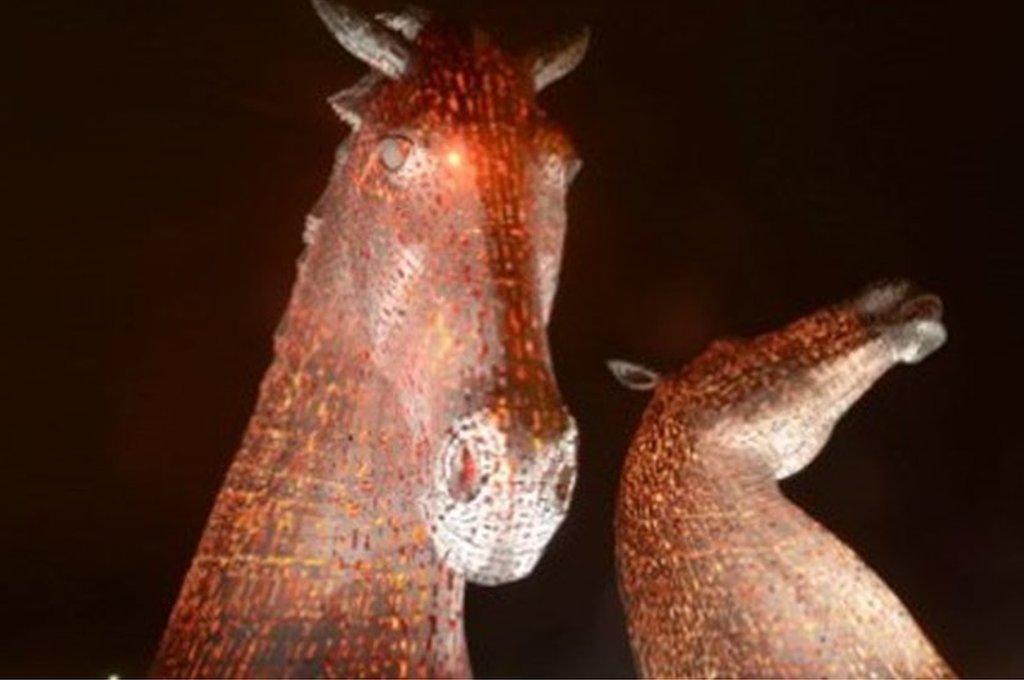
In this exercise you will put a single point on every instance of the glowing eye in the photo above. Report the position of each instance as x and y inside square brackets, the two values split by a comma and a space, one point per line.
[454, 158]
[393, 152]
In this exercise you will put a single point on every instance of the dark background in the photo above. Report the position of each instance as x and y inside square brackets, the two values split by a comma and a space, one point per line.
[745, 162]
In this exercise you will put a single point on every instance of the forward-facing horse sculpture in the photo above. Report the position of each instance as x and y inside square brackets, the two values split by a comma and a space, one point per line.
[409, 434]
[720, 575]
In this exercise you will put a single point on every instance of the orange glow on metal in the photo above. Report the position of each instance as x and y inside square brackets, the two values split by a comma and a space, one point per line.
[720, 574]
[419, 300]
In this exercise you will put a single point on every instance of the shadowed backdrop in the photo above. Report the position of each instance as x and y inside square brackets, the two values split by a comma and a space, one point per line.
[744, 163]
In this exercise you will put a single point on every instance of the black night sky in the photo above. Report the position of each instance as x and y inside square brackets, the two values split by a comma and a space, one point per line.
[744, 163]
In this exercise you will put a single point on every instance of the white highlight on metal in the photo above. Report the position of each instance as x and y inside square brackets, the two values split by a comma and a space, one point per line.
[409, 22]
[559, 58]
[366, 39]
[491, 514]
[633, 376]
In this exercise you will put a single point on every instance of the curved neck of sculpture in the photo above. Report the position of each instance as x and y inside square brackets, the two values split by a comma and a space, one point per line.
[711, 555]
[730, 478]
[315, 559]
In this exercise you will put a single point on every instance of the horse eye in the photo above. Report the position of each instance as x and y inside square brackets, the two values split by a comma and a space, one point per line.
[393, 152]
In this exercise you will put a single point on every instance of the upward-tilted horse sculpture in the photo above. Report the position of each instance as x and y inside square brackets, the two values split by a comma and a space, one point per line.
[409, 434]
[720, 575]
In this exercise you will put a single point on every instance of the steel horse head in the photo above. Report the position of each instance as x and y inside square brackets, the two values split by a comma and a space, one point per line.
[443, 224]
[409, 434]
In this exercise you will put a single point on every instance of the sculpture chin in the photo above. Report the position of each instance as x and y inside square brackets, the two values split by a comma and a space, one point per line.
[504, 567]
[497, 567]
[491, 553]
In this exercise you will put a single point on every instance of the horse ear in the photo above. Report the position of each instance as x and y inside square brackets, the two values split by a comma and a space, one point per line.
[365, 38]
[558, 58]
[409, 22]
[348, 103]
[633, 376]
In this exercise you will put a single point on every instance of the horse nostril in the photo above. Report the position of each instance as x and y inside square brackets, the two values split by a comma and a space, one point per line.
[469, 456]
[564, 484]
[464, 477]
[925, 306]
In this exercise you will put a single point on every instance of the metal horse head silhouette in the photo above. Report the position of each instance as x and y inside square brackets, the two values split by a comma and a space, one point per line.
[447, 208]
[720, 574]
[409, 434]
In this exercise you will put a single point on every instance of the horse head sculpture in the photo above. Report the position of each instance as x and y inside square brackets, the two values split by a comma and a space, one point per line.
[447, 214]
[720, 574]
[410, 434]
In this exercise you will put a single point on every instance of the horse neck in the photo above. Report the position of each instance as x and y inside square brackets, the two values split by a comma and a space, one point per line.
[670, 459]
[684, 497]
[712, 554]
[328, 475]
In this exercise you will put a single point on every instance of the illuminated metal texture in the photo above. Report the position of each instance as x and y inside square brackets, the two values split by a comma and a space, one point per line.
[720, 575]
[409, 434]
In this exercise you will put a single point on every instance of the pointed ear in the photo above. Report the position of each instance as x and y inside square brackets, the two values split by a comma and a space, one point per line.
[558, 58]
[409, 22]
[633, 376]
[365, 38]
[348, 103]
